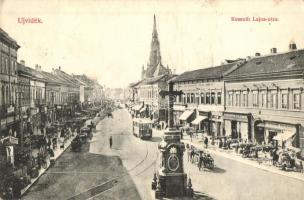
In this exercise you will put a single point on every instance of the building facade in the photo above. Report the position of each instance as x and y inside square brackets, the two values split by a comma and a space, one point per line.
[201, 105]
[8, 84]
[265, 99]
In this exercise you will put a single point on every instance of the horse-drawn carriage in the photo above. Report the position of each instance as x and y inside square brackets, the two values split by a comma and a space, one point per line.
[76, 144]
[202, 159]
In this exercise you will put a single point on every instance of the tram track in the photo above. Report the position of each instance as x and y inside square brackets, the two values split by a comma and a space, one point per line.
[136, 170]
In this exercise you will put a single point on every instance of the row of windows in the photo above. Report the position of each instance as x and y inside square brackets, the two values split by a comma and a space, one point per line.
[265, 100]
[148, 93]
[200, 98]
[6, 49]
[6, 67]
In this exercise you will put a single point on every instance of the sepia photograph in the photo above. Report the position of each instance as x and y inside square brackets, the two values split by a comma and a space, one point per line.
[151, 99]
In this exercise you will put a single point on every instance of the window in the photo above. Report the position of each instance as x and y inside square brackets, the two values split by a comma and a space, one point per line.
[237, 99]
[264, 100]
[212, 97]
[202, 98]
[285, 101]
[230, 99]
[296, 101]
[273, 100]
[245, 100]
[188, 98]
[255, 99]
[207, 98]
[219, 98]
[192, 98]
[197, 98]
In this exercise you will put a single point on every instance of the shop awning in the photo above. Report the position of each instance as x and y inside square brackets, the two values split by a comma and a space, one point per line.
[137, 107]
[186, 115]
[284, 136]
[198, 120]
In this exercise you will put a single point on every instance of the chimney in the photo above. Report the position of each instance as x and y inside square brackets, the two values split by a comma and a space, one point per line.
[257, 54]
[59, 68]
[292, 46]
[273, 50]
[37, 67]
[22, 62]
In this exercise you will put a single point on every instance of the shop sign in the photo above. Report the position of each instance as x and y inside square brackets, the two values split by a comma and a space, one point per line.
[236, 117]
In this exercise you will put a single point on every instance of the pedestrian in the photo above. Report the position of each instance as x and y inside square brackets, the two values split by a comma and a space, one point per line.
[191, 134]
[206, 142]
[17, 186]
[111, 141]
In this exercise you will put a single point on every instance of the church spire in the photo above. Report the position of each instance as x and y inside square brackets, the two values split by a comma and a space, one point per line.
[154, 27]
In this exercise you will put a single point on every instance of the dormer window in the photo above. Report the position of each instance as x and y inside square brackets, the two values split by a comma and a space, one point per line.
[258, 63]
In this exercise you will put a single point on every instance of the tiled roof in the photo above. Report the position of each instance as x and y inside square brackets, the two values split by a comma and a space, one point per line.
[200, 74]
[67, 78]
[34, 74]
[51, 78]
[279, 63]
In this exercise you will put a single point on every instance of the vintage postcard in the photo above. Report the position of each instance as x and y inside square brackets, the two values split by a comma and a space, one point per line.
[151, 99]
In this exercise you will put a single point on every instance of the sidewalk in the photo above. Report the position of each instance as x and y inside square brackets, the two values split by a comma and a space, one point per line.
[57, 153]
[231, 154]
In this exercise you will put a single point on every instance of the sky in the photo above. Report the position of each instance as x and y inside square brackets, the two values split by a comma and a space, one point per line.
[110, 40]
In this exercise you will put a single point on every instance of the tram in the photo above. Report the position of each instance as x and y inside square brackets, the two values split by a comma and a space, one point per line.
[142, 128]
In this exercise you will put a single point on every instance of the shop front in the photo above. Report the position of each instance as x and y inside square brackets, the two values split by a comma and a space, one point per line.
[205, 122]
[237, 126]
[187, 117]
[279, 133]
[197, 123]
[216, 124]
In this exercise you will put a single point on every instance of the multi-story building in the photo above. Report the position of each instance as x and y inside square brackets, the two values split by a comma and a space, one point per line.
[69, 92]
[265, 99]
[202, 103]
[52, 95]
[35, 97]
[8, 84]
[154, 79]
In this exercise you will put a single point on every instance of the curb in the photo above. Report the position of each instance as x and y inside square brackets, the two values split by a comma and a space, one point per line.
[248, 162]
[24, 190]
